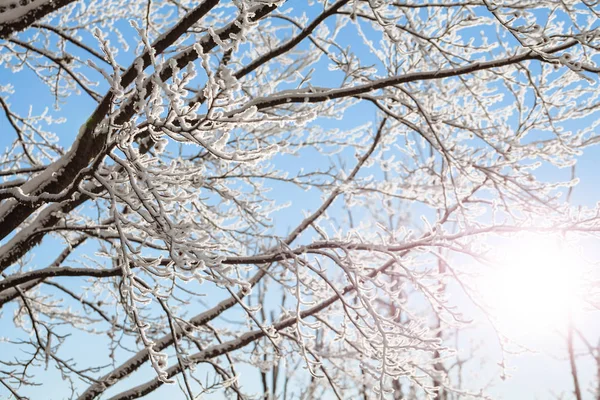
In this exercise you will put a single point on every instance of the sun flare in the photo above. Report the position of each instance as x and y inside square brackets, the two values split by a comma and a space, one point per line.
[534, 285]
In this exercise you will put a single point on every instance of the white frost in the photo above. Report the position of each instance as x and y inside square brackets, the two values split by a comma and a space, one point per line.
[12, 10]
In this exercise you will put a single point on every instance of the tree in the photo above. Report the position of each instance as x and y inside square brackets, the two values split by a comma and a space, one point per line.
[246, 184]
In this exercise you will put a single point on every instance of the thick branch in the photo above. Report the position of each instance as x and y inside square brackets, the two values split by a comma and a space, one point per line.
[141, 357]
[31, 16]
[243, 340]
[90, 144]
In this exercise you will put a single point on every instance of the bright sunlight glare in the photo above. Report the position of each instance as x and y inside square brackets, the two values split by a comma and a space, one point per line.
[534, 285]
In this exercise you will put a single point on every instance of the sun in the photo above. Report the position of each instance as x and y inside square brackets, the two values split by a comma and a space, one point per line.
[534, 285]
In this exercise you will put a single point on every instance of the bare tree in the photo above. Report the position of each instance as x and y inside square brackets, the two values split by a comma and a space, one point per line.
[276, 184]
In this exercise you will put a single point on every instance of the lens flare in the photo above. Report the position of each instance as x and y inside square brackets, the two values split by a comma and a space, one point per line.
[534, 286]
